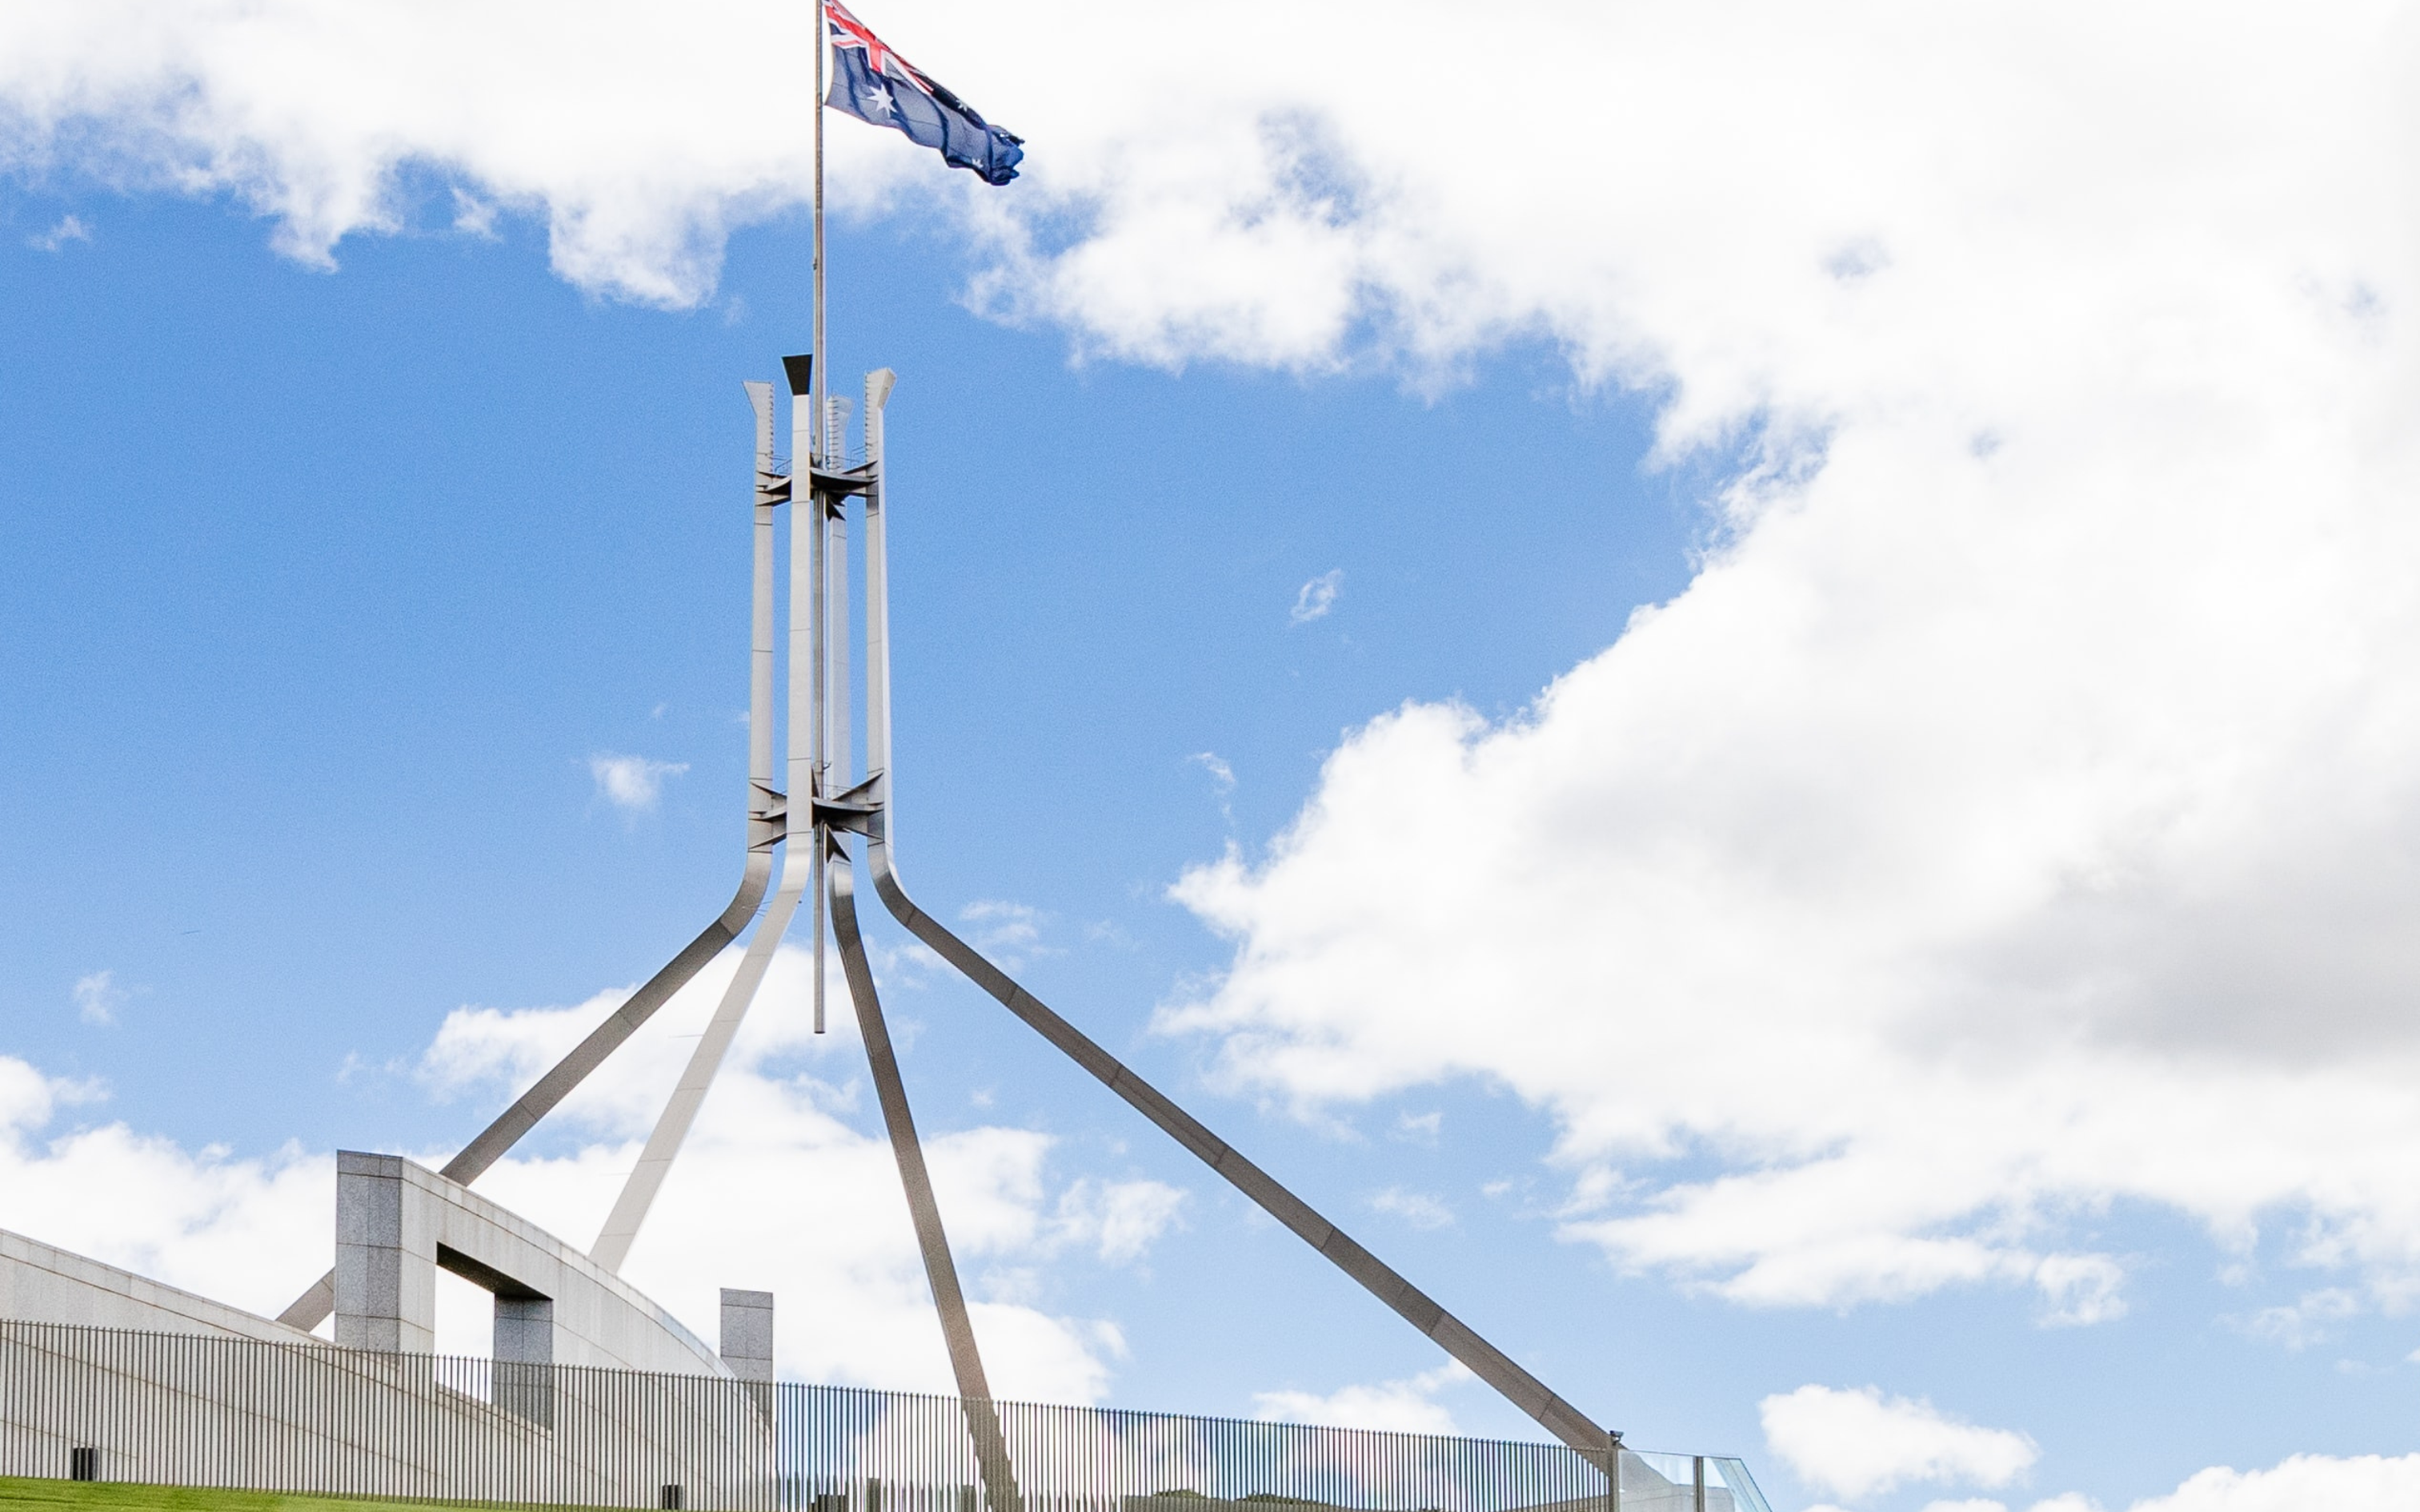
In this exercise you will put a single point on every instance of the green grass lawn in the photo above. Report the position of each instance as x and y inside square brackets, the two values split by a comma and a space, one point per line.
[111, 1496]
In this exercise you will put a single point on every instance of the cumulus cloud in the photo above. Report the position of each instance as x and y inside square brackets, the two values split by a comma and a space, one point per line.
[2019, 812]
[1317, 597]
[1860, 1443]
[252, 1232]
[1119, 1221]
[633, 784]
[255, 1231]
[2365, 1484]
[1406, 1406]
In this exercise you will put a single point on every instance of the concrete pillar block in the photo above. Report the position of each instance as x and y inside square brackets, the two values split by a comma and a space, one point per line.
[386, 1287]
[747, 1341]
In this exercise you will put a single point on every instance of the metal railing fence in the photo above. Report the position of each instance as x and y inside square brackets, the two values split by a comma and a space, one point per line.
[192, 1410]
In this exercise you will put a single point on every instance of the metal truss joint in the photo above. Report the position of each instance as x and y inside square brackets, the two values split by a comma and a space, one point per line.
[769, 817]
[841, 813]
[833, 484]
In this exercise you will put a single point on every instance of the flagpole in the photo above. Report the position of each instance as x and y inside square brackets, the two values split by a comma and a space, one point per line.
[816, 382]
[813, 518]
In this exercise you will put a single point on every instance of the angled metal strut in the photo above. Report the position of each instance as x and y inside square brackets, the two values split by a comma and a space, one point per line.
[765, 809]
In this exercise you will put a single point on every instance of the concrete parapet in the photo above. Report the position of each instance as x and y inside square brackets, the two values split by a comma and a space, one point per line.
[398, 1222]
[42, 1283]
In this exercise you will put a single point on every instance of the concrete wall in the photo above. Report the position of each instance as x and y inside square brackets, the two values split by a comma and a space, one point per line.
[197, 1410]
[43, 1283]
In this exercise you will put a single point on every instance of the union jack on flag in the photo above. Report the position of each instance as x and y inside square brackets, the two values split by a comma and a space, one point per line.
[878, 87]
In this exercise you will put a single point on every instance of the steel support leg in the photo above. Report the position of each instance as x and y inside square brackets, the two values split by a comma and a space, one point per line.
[940, 1271]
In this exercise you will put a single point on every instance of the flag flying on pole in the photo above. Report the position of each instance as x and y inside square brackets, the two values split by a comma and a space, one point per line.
[878, 86]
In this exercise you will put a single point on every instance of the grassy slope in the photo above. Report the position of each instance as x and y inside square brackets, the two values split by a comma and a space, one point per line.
[108, 1496]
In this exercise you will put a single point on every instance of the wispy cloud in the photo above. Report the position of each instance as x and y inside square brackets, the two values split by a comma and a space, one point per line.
[1317, 596]
[2303, 1323]
[98, 998]
[1418, 1209]
[633, 784]
[1009, 931]
[68, 229]
[1222, 780]
[1222, 776]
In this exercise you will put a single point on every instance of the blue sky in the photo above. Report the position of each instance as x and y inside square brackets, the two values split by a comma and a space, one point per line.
[1832, 873]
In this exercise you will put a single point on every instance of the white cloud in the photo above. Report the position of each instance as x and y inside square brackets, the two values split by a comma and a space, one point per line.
[1971, 1503]
[1010, 932]
[1119, 1221]
[1419, 1209]
[1222, 777]
[633, 784]
[1317, 596]
[68, 229]
[1858, 1443]
[241, 1230]
[98, 998]
[1406, 1406]
[2365, 1484]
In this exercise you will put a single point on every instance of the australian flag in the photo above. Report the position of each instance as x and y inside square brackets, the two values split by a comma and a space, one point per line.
[878, 86]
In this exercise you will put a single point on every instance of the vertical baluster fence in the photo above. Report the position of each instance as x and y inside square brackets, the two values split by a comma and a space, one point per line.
[193, 1410]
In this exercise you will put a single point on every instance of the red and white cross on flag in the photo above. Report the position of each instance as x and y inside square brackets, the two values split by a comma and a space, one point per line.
[847, 31]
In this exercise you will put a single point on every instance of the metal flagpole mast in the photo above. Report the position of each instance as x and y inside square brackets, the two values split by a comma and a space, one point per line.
[820, 375]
